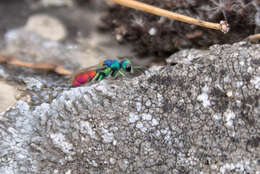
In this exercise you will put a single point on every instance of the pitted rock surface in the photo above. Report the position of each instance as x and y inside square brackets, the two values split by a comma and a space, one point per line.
[199, 115]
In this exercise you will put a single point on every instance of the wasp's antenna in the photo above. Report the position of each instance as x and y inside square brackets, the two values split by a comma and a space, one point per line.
[140, 68]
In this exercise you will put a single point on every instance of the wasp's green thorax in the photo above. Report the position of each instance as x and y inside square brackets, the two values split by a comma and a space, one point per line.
[115, 66]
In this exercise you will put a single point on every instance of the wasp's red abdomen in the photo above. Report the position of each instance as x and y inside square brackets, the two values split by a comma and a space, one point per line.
[91, 74]
[83, 78]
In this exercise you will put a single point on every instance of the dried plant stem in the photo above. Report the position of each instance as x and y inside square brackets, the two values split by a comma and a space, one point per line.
[46, 66]
[161, 12]
[254, 37]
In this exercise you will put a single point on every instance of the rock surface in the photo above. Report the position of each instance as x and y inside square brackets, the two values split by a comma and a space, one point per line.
[46, 26]
[200, 114]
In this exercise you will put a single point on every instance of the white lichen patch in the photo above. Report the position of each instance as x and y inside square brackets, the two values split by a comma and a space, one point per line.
[256, 82]
[227, 78]
[112, 161]
[68, 171]
[203, 97]
[59, 141]
[147, 117]
[141, 126]
[240, 167]
[217, 116]
[190, 160]
[125, 102]
[138, 106]
[24, 105]
[42, 110]
[93, 163]
[214, 167]
[103, 87]
[241, 63]
[158, 133]
[229, 116]
[55, 171]
[133, 117]
[114, 142]
[148, 103]
[168, 138]
[85, 127]
[155, 122]
[159, 99]
[33, 83]
[165, 131]
[250, 69]
[207, 79]
[239, 84]
[107, 136]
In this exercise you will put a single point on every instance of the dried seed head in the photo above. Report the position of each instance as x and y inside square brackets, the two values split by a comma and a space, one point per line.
[224, 26]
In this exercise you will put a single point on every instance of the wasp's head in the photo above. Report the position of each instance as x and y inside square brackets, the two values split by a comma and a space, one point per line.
[127, 66]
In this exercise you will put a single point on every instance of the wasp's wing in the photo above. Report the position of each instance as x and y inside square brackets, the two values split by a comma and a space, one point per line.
[91, 68]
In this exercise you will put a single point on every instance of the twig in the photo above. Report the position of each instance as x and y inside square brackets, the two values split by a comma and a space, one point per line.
[254, 37]
[222, 26]
[45, 66]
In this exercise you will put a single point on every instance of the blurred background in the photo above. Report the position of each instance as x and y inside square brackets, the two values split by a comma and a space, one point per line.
[74, 24]
[101, 29]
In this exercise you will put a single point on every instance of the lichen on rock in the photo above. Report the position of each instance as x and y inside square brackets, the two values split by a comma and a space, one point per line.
[178, 119]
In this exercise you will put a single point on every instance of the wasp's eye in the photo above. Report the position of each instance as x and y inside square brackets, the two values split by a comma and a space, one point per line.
[128, 67]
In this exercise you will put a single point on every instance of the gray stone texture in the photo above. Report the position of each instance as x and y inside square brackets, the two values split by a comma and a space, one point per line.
[198, 114]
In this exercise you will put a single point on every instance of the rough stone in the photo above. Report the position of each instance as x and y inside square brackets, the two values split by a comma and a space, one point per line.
[175, 119]
[46, 26]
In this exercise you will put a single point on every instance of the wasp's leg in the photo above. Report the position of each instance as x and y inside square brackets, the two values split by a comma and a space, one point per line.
[121, 73]
[95, 77]
[104, 73]
[114, 74]
[101, 77]
[140, 68]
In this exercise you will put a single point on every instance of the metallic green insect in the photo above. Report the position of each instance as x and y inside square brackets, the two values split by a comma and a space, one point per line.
[103, 70]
